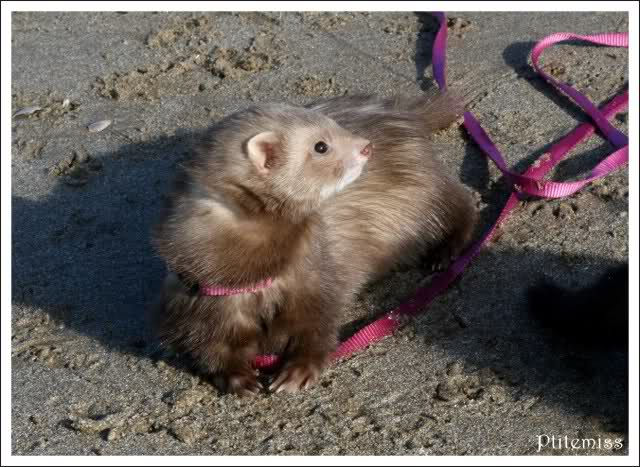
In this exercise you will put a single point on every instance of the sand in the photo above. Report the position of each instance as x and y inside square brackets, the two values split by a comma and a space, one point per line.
[473, 375]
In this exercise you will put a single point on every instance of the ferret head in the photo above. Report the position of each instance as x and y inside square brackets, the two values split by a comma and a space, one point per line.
[304, 157]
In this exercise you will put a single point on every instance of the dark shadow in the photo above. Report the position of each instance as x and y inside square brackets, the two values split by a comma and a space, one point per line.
[485, 321]
[424, 45]
[517, 55]
[83, 255]
[474, 171]
[574, 167]
[475, 167]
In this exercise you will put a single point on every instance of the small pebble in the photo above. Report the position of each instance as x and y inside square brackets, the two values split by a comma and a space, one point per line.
[27, 111]
[98, 126]
[447, 391]
[454, 369]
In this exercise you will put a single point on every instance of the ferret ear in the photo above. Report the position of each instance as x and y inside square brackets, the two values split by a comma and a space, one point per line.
[262, 150]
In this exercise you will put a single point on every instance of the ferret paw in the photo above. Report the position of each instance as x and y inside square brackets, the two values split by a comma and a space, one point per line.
[442, 258]
[296, 376]
[439, 266]
[241, 383]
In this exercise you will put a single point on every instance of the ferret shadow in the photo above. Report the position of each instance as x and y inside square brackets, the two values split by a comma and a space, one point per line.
[83, 255]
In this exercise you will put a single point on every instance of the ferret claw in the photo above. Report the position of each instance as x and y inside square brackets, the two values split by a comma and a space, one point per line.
[295, 377]
[243, 384]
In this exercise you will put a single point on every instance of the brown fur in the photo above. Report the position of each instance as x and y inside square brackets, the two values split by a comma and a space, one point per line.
[405, 203]
[321, 241]
[232, 223]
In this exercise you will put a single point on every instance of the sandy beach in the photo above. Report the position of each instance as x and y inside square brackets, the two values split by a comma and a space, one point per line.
[473, 375]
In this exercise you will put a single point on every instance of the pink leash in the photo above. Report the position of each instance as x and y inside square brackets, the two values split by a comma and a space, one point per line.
[218, 290]
[530, 182]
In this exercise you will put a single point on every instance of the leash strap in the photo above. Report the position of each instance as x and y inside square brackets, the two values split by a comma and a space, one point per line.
[219, 290]
[530, 182]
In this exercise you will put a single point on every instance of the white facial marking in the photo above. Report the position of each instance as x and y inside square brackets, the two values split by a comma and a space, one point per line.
[353, 169]
[350, 176]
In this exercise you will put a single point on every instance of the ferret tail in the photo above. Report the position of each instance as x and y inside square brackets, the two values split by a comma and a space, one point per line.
[438, 110]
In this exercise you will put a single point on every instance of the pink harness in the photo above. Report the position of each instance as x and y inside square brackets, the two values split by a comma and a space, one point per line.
[530, 182]
[217, 291]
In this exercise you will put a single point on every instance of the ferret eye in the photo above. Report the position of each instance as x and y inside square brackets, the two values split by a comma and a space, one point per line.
[321, 147]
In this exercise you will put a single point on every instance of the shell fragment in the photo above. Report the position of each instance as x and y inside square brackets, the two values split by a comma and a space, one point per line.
[98, 126]
[27, 111]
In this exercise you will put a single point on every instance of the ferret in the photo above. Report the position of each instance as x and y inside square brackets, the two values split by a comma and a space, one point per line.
[283, 214]
[406, 204]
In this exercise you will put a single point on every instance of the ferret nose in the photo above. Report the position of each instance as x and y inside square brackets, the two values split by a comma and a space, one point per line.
[367, 150]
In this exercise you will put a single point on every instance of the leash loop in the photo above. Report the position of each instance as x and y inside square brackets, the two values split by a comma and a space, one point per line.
[530, 182]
